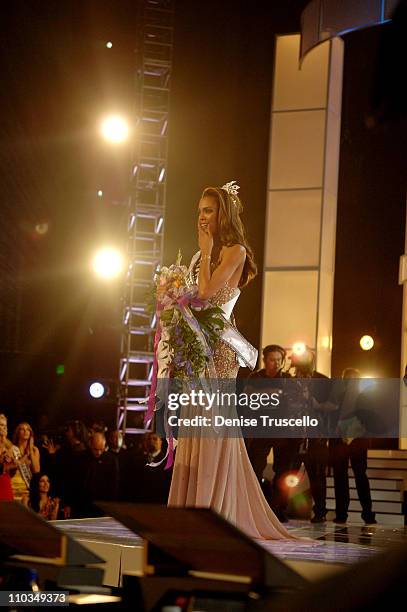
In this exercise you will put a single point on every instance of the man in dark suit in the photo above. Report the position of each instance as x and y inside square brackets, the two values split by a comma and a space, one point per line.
[285, 450]
[150, 481]
[98, 478]
[351, 448]
[314, 451]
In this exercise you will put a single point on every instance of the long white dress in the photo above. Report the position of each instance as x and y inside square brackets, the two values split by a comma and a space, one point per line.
[215, 471]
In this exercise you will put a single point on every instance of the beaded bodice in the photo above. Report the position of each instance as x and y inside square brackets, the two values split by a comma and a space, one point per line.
[224, 294]
[224, 357]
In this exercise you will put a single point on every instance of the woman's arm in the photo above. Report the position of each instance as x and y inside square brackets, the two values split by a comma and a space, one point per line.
[55, 508]
[232, 258]
[35, 460]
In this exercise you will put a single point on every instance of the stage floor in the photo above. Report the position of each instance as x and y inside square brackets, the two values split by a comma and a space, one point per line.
[338, 546]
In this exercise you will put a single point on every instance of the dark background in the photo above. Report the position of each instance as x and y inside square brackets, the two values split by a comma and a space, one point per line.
[58, 79]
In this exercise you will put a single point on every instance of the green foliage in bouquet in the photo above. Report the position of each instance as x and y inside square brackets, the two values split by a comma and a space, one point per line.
[188, 355]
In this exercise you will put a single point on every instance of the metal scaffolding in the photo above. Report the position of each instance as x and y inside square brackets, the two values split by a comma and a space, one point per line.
[147, 208]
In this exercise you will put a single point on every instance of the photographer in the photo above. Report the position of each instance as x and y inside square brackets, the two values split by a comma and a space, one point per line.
[317, 394]
[285, 450]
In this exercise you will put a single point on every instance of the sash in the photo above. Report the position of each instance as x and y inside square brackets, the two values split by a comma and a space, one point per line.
[23, 468]
[246, 353]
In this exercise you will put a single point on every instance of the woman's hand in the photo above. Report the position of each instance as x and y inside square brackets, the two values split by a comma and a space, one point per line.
[7, 460]
[55, 510]
[205, 240]
[52, 448]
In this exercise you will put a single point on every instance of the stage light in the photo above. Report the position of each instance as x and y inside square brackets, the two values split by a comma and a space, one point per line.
[366, 343]
[108, 263]
[41, 228]
[115, 129]
[299, 348]
[96, 390]
[109, 44]
[100, 193]
[291, 481]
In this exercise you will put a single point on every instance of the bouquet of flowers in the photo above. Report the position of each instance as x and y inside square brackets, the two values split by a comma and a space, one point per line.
[190, 326]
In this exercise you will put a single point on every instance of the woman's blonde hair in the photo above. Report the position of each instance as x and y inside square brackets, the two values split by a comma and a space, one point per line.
[230, 228]
[17, 429]
[7, 442]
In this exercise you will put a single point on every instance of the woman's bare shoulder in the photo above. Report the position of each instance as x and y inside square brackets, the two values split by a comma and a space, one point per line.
[233, 251]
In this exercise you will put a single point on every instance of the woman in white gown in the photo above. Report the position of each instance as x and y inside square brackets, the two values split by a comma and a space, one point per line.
[215, 471]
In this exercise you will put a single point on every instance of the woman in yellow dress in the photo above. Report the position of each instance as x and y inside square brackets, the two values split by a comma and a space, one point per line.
[26, 456]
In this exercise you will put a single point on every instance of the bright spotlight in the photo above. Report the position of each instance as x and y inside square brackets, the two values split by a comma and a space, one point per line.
[41, 228]
[366, 343]
[100, 193]
[115, 129]
[108, 263]
[299, 348]
[109, 44]
[291, 481]
[96, 390]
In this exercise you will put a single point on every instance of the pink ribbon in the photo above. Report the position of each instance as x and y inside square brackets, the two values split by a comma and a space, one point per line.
[187, 300]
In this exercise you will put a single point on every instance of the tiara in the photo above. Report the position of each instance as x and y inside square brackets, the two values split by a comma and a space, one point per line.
[231, 188]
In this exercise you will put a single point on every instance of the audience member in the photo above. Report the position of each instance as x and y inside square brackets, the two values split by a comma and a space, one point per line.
[117, 448]
[153, 448]
[150, 481]
[115, 441]
[27, 459]
[41, 500]
[6, 462]
[63, 463]
[98, 427]
[98, 479]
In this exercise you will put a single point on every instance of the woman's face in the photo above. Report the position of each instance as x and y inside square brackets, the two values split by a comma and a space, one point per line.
[43, 484]
[208, 214]
[24, 432]
[3, 427]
